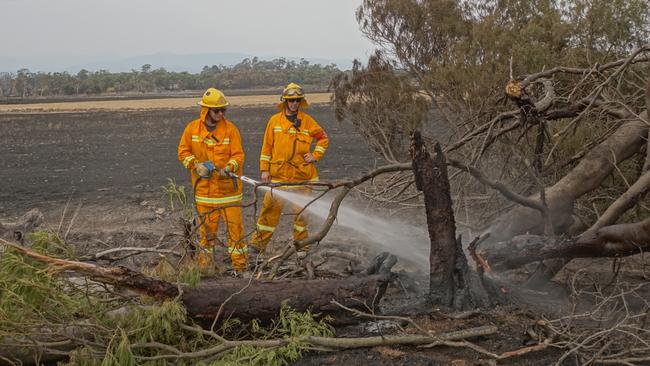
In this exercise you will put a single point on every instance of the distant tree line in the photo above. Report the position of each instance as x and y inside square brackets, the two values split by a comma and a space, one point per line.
[249, 73]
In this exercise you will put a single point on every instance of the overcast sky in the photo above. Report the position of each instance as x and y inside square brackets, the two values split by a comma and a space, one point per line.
[60, 32]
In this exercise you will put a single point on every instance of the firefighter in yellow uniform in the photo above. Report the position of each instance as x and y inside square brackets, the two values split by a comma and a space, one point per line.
[211, 150]
[286, 156]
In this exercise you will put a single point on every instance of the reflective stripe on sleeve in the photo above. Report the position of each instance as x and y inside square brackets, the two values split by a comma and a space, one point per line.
[320, 149]
[195, 138]
[226, 141]
[234, 164]
[188, 160]
[265, 158]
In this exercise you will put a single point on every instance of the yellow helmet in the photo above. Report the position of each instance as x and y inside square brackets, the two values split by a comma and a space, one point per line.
[293, 91]
[213, 98]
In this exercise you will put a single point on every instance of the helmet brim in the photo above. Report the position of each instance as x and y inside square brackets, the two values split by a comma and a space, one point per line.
[212, 105]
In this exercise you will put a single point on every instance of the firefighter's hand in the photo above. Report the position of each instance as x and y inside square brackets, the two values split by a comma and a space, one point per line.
[266, 177]
[309, 158]
[205, 169]
[225, 172]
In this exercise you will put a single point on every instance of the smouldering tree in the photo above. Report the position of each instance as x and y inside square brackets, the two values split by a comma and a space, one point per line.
[565, 139]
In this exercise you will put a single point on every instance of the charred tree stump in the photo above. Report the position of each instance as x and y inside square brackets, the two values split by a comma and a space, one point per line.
[451, 283]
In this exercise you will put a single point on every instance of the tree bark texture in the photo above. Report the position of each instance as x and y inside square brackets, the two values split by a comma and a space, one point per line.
[585, 177]
[263, 299]
[451, 283]
[609, 241]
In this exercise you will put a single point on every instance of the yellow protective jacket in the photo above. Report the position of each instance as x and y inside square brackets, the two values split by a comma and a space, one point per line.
[284, 146]
[223, 147]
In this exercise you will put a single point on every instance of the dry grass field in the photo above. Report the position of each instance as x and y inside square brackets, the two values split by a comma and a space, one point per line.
[147, 104]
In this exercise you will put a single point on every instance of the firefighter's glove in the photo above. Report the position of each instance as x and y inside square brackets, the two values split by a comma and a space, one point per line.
[205, 169]
[225, 172]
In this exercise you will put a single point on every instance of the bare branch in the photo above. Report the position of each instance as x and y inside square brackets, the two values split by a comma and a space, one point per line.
[577, 71]
[500, 187]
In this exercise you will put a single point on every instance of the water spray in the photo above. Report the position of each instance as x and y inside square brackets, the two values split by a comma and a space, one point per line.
[405, 240]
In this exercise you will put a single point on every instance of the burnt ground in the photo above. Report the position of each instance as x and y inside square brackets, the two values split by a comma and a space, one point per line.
[97, 177]
[92, 157]
[113, 164]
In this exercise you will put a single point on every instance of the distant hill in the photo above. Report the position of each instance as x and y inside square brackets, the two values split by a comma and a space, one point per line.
[192, 63]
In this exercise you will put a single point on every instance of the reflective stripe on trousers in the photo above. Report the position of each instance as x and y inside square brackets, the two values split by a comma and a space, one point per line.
[209, 227]
[270, 216]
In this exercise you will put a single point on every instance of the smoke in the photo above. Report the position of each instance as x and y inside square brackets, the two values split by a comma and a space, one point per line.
[406, 241]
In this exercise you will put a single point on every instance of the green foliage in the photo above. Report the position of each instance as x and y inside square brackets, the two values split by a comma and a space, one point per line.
[602, 28]
[160, 323]
[385, 104]
[249, 73]
[31, 293]
[460, 52]
[294, 324]
[119, 352]
[291, 326]
[49, 243]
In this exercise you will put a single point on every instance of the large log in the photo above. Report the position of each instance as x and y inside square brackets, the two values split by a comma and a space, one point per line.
[262, 299]
[585, 177]
[241, 298]
[609, 241]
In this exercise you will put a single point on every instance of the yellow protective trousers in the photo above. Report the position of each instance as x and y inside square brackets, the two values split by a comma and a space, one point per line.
[270, 216]
[209, 217]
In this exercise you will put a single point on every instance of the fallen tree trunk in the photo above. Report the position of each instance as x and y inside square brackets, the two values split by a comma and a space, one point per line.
[585, 177]
[262, 299]
[245, 299]
[610, 241]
